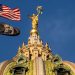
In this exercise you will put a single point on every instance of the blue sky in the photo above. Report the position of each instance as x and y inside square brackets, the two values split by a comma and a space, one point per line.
[56, 26]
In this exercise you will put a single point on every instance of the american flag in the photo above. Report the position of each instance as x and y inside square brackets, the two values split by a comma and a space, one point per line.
[7, 12]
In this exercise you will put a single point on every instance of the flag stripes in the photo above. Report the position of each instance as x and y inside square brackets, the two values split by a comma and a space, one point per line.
[7, 12]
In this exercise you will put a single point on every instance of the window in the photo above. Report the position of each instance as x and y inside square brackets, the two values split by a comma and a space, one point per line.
[18, 71]
[62, 71]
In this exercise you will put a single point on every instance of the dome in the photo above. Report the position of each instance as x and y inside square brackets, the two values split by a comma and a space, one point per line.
[8, 65]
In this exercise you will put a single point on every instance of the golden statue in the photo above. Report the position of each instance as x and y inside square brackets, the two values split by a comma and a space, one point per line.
[34, 19]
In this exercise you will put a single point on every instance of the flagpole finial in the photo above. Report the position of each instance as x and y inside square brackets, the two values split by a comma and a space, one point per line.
[34, 19]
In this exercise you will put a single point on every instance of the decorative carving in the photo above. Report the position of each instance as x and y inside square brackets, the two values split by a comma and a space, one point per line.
[56, 59]
[21, 59]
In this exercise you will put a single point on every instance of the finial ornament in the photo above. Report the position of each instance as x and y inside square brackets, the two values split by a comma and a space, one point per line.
[34, 19]
[23, 44]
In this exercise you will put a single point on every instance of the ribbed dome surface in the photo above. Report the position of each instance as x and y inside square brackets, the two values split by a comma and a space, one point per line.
[3, 66]
[70, 64]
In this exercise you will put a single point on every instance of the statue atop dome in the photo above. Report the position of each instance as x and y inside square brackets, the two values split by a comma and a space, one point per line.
[34, 18]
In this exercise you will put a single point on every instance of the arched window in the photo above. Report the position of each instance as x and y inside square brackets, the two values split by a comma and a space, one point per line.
[62, 71]
[19, 71]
